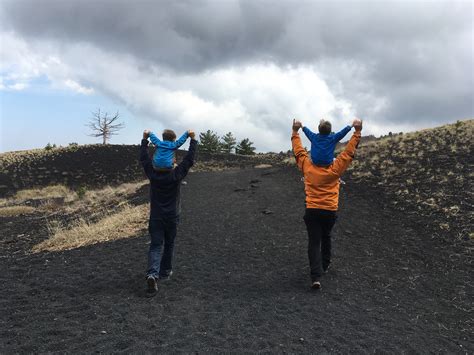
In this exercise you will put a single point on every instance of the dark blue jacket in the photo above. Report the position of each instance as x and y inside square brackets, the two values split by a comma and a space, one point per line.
[323, 145]
[165, 185]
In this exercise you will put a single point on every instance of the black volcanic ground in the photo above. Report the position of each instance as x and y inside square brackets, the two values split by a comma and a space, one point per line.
[241, 280]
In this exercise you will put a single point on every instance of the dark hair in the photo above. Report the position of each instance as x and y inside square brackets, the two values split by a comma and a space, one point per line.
[169, 135]
[324, 127]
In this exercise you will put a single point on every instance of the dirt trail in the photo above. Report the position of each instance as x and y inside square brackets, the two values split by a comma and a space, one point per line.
[241, 280]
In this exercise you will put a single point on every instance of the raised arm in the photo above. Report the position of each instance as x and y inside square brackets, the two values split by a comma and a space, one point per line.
[178, 143]
[301, 155]
[144, 157]
[188, 161]
[344, 159]
[154, 139]
[342, 133]
[309, 134]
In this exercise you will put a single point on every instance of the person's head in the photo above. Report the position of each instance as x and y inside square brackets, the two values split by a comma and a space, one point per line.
[169, 135]
[324, 127]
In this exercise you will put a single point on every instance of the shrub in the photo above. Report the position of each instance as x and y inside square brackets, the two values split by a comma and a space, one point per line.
[81, 192]
[73, 147]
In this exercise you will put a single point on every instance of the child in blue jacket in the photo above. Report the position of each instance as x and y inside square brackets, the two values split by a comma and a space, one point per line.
[164, 156]
[324, 143]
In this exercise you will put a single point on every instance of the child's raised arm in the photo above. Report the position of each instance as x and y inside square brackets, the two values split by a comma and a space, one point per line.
[342, 133]
[154, 139]
[178, 143]
[309, 134]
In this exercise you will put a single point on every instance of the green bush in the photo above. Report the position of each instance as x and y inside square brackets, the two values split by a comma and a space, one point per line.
[81, 192]
[73, 147]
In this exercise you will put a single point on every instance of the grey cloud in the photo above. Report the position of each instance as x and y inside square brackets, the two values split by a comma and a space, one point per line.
[416, 55]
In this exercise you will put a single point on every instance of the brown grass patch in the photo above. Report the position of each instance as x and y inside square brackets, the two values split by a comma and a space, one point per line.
[125, 223]
[11, 211]
[44, 193]
[59, 196]
[262, 166]
[109, 193]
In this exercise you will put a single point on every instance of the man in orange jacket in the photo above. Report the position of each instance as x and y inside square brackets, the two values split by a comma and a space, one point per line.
[322, 198]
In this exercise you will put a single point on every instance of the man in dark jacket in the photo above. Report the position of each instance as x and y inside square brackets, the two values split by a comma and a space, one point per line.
[164, 211]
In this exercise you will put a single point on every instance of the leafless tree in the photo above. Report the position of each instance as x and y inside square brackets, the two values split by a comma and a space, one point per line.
[104, 126]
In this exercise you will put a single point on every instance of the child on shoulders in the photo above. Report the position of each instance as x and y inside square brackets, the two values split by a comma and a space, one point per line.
[324, 143]
[164, 156]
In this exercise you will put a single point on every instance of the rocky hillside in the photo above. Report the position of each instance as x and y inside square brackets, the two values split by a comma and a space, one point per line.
[428, 173]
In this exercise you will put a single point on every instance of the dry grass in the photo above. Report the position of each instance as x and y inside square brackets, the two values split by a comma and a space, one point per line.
[110, 193]
[428, 171]
[125, 223]
[262, 166]
[44, 193]
[11, 211]
[56, 197]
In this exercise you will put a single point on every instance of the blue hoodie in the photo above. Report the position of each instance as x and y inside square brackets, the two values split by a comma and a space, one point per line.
[164, 154]
[323, 145]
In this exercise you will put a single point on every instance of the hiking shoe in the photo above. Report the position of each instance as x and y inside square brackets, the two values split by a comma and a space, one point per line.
[166, 277]
[152, 286]
[316, 285]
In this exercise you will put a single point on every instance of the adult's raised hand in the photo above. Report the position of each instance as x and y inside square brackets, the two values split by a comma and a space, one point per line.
[296, 125]
[357, 124]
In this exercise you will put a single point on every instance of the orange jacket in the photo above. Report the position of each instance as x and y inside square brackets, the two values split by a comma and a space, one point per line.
[321, 184]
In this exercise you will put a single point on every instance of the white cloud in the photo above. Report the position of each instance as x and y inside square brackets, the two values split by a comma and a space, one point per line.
[73, 85]
[18, 86]
[256, 101]
[23, 62]
[241, 81]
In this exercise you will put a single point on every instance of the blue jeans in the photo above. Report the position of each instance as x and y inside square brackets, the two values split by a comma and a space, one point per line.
[161, 231]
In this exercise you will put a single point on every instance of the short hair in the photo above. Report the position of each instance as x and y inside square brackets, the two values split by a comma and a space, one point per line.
[169, 135]
[324, 127]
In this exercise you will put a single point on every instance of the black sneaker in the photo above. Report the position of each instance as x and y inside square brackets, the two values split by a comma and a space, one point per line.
[316, 285]
[166, 277]
[152, 286]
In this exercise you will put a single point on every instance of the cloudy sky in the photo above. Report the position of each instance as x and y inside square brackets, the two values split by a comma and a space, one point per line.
[247, 67]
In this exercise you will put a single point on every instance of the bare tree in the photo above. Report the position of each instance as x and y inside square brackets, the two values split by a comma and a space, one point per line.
[104, 126]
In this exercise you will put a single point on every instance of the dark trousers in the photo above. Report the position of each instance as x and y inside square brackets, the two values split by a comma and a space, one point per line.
[162, 231]
[319, 224]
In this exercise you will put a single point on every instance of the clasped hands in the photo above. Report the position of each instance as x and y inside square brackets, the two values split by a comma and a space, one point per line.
[146, 133]
[356, 123]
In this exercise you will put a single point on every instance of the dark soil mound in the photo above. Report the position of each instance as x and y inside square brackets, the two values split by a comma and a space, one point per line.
[98, 165]
[241, 280]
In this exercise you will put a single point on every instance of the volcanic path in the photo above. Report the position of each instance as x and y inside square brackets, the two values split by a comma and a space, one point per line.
[241, 280]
